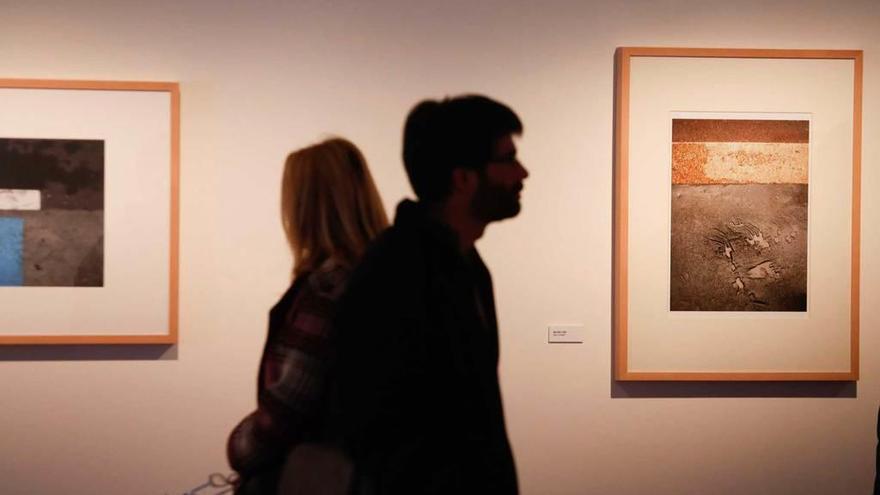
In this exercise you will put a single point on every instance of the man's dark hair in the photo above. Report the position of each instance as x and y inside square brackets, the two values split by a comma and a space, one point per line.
[459, 132]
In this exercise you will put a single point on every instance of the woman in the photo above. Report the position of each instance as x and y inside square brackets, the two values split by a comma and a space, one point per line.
[330, 210]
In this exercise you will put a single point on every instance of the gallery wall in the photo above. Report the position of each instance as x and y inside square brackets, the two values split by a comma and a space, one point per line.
[261, 78]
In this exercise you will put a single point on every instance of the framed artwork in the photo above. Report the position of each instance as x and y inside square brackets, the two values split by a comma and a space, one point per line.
[736, 214]
[88, 212]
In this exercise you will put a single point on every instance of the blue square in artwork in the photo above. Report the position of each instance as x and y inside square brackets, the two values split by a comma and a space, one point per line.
[11, 242]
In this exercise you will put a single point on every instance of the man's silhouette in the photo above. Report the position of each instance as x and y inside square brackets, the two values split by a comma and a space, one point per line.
[418, 400]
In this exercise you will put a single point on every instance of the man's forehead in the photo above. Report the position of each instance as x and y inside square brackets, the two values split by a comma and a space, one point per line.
[504, 145]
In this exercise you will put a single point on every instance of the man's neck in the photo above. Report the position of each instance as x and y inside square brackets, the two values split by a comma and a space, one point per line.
[458, 218]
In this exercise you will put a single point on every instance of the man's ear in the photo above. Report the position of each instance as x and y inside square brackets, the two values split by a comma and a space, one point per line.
[464, 180]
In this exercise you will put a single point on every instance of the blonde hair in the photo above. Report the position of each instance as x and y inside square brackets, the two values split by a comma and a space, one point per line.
[330, 208]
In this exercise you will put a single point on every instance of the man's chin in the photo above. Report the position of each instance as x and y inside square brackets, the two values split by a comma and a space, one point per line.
[500, 210]
[509, 212]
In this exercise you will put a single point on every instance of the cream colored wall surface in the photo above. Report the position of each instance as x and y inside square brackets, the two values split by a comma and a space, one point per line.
[261, 78]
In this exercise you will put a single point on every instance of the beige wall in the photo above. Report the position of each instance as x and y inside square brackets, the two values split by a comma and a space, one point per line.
[259, 78]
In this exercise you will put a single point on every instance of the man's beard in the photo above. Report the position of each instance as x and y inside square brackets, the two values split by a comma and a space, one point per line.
[493, 202]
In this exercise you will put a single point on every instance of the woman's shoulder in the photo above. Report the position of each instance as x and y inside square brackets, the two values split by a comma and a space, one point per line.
[328, 280]
[325, 282]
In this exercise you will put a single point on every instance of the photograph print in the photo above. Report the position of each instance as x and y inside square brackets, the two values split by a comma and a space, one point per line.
[51, 212]
[739, 214]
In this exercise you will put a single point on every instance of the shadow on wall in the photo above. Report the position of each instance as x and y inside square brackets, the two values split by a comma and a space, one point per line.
[88, 353]
[635, 390]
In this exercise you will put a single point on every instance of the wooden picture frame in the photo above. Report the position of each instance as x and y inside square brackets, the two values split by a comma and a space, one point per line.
[695, 313]
[90, 207]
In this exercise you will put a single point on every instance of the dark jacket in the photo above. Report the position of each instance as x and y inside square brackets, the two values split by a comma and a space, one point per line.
[877, 459]
[417, 400]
